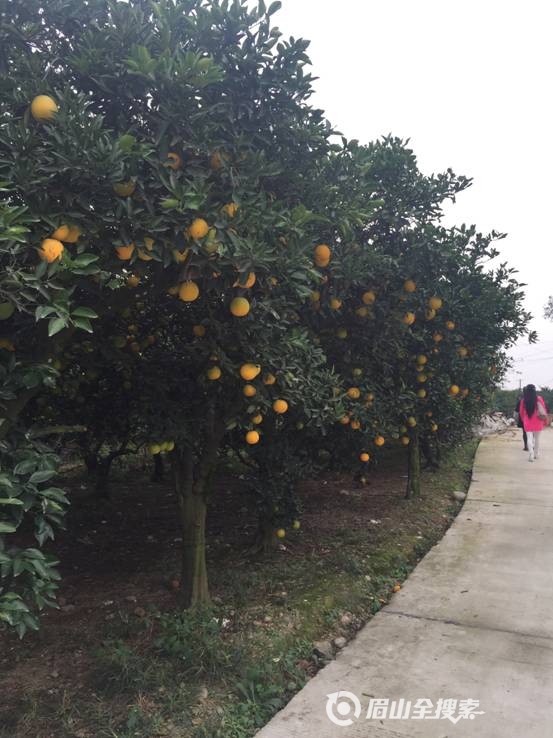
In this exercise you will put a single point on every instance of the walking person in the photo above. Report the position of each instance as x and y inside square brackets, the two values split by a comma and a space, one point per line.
[519, 422]
[533, 413]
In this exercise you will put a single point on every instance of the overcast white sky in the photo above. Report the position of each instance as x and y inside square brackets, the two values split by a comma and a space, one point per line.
[469, 82]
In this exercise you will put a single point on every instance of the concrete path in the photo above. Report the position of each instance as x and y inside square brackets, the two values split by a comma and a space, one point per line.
[473, 621]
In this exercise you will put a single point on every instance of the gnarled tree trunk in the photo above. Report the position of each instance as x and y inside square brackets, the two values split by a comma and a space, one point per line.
[414, 467]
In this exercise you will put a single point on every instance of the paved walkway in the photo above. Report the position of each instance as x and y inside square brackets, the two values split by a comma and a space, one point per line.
[473, 621]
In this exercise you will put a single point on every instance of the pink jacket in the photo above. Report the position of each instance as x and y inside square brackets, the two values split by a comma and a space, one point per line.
[532, 423]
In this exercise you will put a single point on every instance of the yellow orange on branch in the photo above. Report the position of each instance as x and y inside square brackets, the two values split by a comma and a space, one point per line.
[189, 291]
[249, 371]
[43, 107]
[252, 437]
[124, 253]
[239, 307]
[280, 406]
[322, 255]
[198, 229]
[50, 250]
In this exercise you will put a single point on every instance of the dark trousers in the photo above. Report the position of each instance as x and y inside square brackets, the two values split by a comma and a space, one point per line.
[525, 439]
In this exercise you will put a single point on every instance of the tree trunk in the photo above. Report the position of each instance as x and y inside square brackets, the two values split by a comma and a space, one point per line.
[91, 463]
[101, 473]
[427, 452]
[157, 472]
[191, 496]
[266, 539]
[414, 468]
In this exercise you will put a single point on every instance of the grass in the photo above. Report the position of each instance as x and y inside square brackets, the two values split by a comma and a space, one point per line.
[223, 671]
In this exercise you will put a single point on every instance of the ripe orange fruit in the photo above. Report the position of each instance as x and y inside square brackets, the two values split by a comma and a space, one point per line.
[239, 307]
[230, 209]
[198, 229]
[124, 252]
[249, 371]
[7, 344]
[411, 421]
[124, 189]
[144, 254]
[405, 440]
[362, 312]
[379, 441]
[249, 282]
[422, 359]
[280, 406]
[355, 425]
[409, 318]
[322, 255]
[269, 379]
[454, 390]
[50, 250]
[409, 285]
[189, 291]
[252, 437]
[430, 314]
[396, 587]
[257, 419]
[174, 161]
[335, 303]
[217, 159]
[214, 373]
[435, 303]
[368, 297]
[364, 457]
[315, 296]
[249, 390]
[43, 107]
[421, 378]
[437, 337]
[354, 393]
[73, 236]
[180, 256]
[344, 420]
[450, 325]
[61, 233]
[462, 352]
[133, 280]
[198, 331]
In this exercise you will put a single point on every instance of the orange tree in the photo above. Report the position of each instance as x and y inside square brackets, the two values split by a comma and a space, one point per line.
[408, 315]
[162, 161]
[144, 150]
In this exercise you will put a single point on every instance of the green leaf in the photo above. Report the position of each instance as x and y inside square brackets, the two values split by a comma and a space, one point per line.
[43, 311]
[56, 325]
[84, 312]
[10, 501]
[41, 476]
[83, 260]
[83, 323]
[7, 527]
[24, 467]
